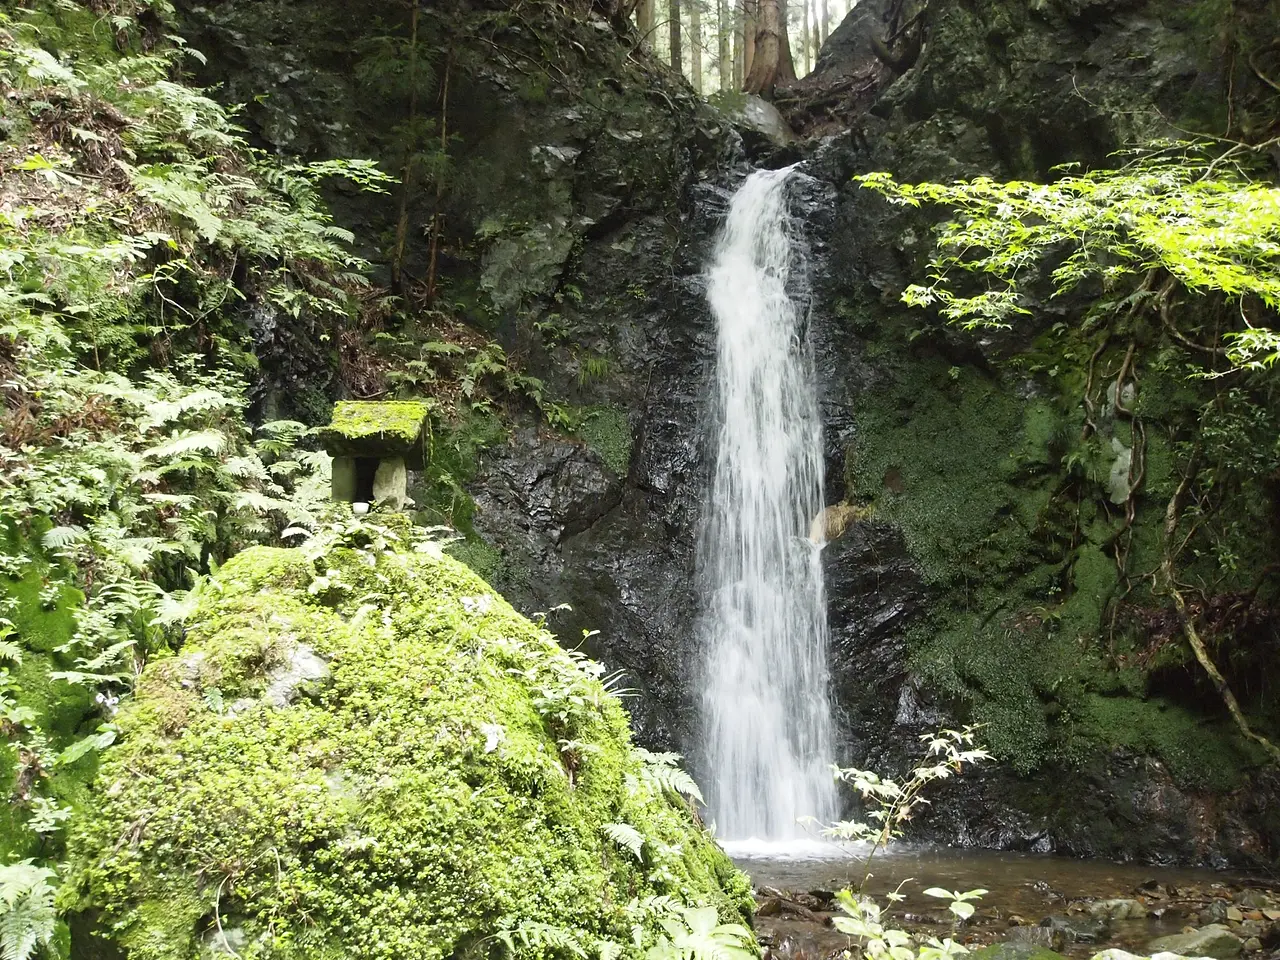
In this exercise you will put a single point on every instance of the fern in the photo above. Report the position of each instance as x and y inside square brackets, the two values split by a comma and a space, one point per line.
[192, 441]
[625, 836]
[659, 771]
[60, 538]
[535, 937]
[27, 916]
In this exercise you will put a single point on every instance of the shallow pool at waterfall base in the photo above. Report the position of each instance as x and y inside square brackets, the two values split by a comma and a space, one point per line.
[1076, 907]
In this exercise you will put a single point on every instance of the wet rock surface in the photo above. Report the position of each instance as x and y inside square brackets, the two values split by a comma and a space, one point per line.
[1213, 940]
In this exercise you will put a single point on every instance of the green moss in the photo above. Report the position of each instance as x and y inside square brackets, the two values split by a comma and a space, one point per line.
[1016, 951]
[1041, 432]
[937, 456]
[607, 430]
[1198, 754]
[453, 462]
[451, 778]
[1003, 501]
[396, 425]
[478, 554]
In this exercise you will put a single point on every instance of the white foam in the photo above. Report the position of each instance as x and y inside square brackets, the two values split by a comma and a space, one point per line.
[794, 849]
[767, 728]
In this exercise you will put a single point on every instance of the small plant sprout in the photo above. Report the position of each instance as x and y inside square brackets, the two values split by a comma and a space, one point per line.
[889, 805]
[696, 933]
[960, 904]
[863, 919]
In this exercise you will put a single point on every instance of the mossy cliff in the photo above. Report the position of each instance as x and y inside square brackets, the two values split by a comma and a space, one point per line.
[367, 753]
[579, 195]
[1021, 480]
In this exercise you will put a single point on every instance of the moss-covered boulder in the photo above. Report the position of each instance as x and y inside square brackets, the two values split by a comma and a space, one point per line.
[366, 753]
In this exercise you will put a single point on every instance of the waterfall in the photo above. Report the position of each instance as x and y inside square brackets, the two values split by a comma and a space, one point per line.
[766, 713]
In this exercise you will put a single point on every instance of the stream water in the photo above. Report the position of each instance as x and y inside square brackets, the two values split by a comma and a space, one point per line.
[766, 716]
[1018, 883]
[1022, 891]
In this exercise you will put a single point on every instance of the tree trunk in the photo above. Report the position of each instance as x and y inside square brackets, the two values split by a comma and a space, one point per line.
[739, 42]
[644, 20]
[815, 39]
[824, 13]
[723, 30]
[750, 25]
[807, 59]
[772, 63]
[438, 214]
[673, 23]
[406, 176]
[695, 43]
[787, 66]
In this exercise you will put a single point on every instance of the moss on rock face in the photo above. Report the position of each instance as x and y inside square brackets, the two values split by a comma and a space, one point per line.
[1005, 503]
[607, 430]
[448, 779]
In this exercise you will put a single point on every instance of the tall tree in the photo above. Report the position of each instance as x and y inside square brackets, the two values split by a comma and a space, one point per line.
[750, 24]
[824, 12]
[739, 42]
[815, 38]
[806, 50]
[771, 61]
[674, 31]
[724, 30]
[644, 20]
[695, 44]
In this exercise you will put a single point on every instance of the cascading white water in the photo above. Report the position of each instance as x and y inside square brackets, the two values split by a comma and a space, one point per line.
[766, 714]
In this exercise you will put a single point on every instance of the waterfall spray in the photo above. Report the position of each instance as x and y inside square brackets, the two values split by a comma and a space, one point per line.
[766, 712]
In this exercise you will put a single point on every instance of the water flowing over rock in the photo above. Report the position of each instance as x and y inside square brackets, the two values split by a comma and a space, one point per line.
[764, 627]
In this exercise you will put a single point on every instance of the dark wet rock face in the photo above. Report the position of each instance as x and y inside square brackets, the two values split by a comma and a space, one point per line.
[548, 485]
[960, 601]
[625, 560]
[874, 593]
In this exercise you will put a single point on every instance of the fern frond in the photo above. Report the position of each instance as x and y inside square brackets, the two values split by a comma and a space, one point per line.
[191, 441]
[671, 779]
[660, 759]
[27, 915]
[59, 538]
[538, 938]
[625, 836]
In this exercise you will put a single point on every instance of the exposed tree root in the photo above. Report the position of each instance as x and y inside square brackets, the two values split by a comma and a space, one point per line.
[1188, 622]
